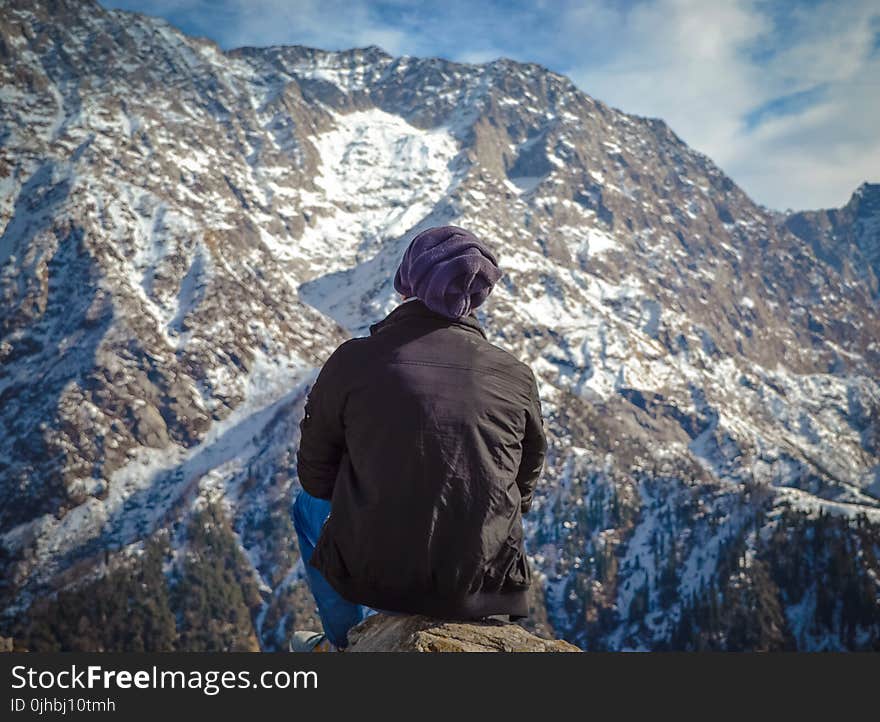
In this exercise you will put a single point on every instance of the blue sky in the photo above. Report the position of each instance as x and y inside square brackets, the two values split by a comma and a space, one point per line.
[784, 96]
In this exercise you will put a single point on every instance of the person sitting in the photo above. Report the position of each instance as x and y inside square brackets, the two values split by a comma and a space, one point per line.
[421, 446]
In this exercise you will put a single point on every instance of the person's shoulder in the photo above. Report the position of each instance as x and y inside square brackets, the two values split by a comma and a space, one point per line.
[502, 358]
[346, 353]
[350, 345]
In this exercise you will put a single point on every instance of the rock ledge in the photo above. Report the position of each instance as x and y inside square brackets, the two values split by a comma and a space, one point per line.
[385, 633]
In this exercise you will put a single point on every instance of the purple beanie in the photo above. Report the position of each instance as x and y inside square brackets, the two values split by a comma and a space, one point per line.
[449, 269]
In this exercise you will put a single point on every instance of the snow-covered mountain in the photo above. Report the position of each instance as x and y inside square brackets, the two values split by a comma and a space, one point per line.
[187, 233]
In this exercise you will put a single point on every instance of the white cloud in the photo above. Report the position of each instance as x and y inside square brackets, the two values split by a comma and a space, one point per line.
[478, 57]
[329, 24]
[704, 67]
[817, 157]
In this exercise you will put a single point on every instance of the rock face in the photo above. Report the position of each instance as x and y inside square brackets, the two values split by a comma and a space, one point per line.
[383, 633]
[846, 238]
[187, 233]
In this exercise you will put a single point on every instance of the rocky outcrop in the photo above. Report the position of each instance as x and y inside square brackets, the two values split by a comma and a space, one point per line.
[412, 633]
[847, 238]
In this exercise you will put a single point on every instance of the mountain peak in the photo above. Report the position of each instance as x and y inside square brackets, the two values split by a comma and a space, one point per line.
[867, 198]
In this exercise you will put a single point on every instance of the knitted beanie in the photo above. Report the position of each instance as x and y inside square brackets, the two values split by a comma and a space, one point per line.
[449, 269]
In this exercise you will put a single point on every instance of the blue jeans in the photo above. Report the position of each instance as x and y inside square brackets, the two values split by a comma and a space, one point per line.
[337, 615]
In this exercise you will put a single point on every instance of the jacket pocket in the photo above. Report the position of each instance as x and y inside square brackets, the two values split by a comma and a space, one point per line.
[509, 569]
[519, 575]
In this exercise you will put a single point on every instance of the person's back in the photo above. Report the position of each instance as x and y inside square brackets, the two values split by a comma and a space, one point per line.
[428, 441]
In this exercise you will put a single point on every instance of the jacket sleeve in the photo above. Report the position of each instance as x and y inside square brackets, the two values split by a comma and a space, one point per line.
[322, 432]
[534, 449]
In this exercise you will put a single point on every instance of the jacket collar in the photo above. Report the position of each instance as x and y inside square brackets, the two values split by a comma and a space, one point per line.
[416, 308]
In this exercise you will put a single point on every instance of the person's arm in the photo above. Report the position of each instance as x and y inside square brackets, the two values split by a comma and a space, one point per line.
[534, 449]
[322, 434]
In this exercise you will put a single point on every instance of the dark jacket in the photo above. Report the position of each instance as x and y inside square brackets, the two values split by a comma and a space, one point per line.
[429, 441]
